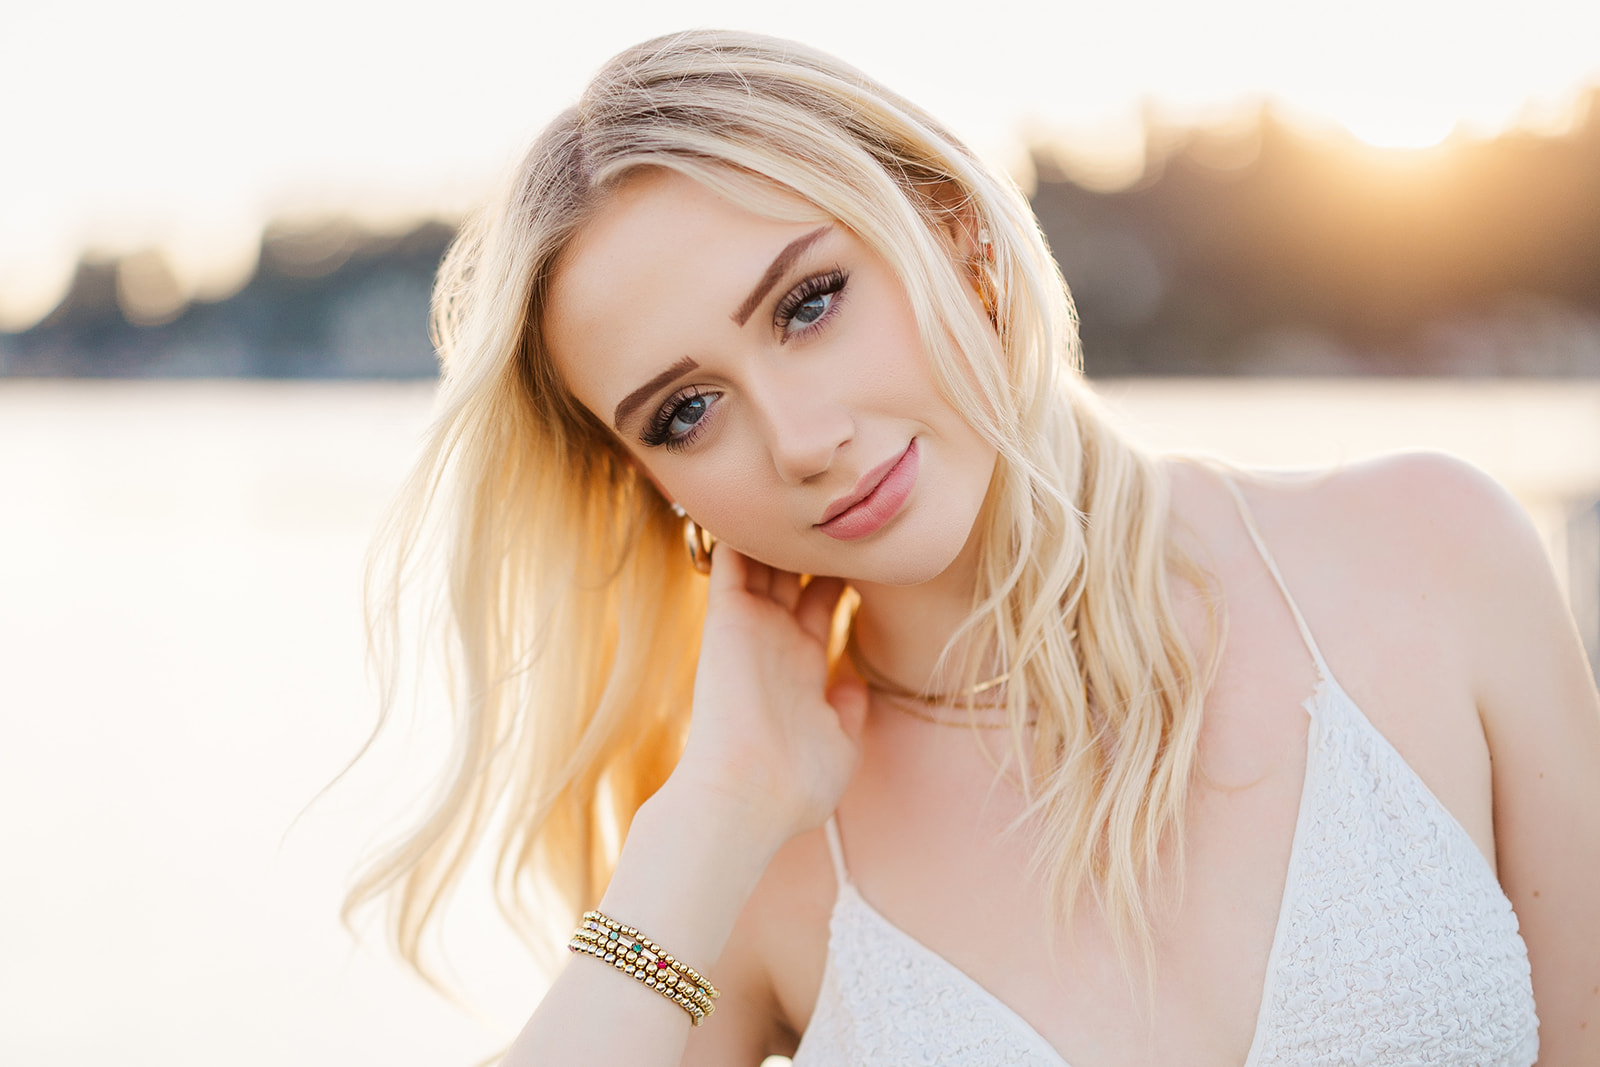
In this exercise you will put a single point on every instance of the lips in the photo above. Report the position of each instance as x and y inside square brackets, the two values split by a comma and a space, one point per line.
[876, 499]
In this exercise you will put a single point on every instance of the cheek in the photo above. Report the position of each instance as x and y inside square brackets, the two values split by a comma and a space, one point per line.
[886, 364]
[727, 499]
[758, 519]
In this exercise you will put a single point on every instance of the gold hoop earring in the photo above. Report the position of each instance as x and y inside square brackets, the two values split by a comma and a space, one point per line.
[696, 540]
[985, 277]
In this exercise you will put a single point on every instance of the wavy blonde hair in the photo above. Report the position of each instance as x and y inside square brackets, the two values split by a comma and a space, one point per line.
[572, 620]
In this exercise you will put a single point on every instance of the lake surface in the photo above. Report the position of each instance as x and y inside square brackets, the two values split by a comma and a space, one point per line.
[181, 670]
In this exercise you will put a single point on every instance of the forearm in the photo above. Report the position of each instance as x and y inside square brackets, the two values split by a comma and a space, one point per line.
[688, 866]
[767, 756]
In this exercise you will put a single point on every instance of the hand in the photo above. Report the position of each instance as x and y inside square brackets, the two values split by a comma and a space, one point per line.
[766, 733]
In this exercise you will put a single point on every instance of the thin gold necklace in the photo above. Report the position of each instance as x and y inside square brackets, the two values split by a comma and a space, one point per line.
[879, 683]
[906, 700]
[910, 708]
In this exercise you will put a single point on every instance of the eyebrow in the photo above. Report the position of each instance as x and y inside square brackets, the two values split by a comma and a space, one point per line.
[791, 252]
[635, 399]
[784, 260]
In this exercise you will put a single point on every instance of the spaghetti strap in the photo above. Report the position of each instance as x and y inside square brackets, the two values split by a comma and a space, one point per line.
[836, 851]
[1277, 576]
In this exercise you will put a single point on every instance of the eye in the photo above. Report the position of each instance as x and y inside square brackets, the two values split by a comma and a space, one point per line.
[812, 310]
[679, 420]
[687, 415]
[809, 303]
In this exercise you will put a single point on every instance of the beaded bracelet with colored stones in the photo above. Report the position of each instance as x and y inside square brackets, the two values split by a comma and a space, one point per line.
[640, 958]
[600, 922]
[634, 958]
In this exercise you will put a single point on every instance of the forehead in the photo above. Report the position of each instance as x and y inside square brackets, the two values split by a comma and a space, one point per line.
[655, 276]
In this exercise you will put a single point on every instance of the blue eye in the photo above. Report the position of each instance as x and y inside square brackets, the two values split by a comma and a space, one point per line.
[809, 303]
[679, 421]
[810, 311]
[686, 416]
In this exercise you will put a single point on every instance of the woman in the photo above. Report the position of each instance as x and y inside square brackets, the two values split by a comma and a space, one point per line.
[1039, 787]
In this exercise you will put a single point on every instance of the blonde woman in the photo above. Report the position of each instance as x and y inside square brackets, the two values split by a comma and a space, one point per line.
[987, 739]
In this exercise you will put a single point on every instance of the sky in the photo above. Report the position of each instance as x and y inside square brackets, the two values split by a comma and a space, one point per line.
[185, 126]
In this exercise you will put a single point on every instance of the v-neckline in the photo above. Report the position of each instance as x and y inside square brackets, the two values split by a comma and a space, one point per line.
[1313, 706]
[1023, 1028]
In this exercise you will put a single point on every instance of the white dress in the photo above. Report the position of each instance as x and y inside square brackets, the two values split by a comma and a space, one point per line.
[1394, 944]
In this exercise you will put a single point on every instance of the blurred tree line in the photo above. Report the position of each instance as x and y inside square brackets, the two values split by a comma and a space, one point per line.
[1255, 249]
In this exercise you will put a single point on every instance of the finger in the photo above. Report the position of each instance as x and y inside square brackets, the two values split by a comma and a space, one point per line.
[729, 569]
[757, 578]
[848, 698]
[814, 611]
[785, 589]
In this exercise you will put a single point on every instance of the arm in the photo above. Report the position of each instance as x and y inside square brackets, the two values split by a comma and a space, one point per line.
[767, 757]
[1541, 718]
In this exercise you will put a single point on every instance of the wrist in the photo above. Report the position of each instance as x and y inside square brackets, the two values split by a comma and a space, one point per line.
[732, 832]
[754, 808]
[690, 862]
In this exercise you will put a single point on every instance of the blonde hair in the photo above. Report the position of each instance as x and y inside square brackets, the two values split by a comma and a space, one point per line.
[573, 619]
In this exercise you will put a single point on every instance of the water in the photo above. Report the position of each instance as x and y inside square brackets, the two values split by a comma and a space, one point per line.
[181, 671]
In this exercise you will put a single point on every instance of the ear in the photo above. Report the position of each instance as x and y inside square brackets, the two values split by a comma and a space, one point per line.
[971, 249]
[952, 206]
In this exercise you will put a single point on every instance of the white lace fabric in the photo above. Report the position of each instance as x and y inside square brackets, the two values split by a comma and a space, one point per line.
[888, 999]
[1395, 944]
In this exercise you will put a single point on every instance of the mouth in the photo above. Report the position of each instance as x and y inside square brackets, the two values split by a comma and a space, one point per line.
[876, 499]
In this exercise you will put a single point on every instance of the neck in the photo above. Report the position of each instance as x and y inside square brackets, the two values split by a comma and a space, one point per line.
[901, 630]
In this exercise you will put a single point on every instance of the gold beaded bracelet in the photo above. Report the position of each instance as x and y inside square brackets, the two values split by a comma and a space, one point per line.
[644, 959]
[640, 958]
[632, 958]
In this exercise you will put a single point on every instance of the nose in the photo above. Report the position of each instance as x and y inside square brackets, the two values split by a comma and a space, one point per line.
[805, 423]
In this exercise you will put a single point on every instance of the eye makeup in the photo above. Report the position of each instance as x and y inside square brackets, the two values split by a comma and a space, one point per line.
[826, 288]
[682, 417]
[679, 419]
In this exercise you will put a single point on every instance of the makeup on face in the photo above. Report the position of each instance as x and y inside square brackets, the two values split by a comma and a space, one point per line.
[877, 498]
[811, 435]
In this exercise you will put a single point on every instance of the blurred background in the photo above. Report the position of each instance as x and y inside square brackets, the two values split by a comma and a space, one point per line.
[1297, 234]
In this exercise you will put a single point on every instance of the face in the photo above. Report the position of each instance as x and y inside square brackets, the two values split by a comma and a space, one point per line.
[769, 377]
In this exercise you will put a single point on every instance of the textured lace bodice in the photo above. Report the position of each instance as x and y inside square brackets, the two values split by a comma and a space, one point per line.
[1394, 946]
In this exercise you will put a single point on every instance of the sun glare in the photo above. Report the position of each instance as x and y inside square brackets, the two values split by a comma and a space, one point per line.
[1399, 130]
[1092, 81]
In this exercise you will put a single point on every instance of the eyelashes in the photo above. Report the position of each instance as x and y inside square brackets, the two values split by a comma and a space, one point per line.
[679, 420]
[809, 303]
[684, 415]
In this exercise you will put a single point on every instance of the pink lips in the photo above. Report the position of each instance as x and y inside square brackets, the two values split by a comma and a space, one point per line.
[876, 499]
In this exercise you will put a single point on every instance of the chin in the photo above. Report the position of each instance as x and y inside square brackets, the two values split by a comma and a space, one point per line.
[906, 572]
[934, 554]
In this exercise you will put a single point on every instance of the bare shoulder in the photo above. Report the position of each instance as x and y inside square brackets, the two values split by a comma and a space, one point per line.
[1488, 566]
[1431, 539]
[1366, 552]
[1452, 552]
[1432, 596]
[1428, 514]
[1422, 524]
[1536, 698]
[1428, 498]
[1448, 508]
